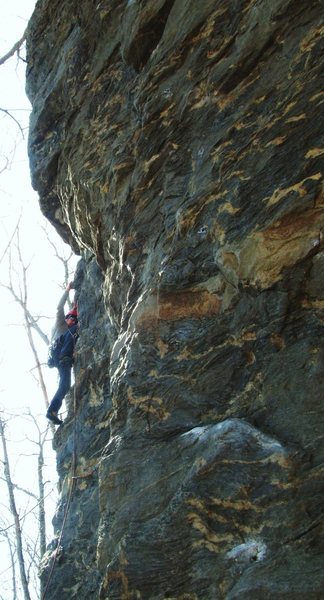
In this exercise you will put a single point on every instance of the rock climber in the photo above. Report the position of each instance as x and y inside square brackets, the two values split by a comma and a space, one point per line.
[65, 328]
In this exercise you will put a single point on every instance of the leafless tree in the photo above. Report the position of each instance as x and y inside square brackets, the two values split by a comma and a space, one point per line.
[11, 549]
[16, 285]
[25, 548]
[18, 289]
[14, 512]
[61, 257]
[20, 294]
[40, 443]
[6, 157]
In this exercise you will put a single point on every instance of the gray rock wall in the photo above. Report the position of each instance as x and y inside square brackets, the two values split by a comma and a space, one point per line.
[177, 146]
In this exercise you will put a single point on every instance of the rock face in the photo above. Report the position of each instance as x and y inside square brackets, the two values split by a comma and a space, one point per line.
[176, 145]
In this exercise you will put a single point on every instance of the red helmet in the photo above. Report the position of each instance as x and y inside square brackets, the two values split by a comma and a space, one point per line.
[72, 313]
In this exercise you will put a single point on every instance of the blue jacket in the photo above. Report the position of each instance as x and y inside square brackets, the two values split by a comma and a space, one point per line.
[69, 339]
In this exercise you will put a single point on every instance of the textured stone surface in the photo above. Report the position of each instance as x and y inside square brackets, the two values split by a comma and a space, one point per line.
[177, 146]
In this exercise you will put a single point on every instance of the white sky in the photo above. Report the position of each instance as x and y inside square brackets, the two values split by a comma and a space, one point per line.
[17, 197]
[18, 389]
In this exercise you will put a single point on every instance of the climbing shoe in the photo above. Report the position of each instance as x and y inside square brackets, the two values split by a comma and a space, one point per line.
[52, 417]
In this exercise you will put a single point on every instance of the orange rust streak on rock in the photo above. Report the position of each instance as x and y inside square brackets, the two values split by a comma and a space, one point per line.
[292, 226]
[172, 306]
[188, 304]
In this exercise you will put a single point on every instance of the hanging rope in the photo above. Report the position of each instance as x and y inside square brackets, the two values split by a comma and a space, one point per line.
[74, 478]
[70, 494]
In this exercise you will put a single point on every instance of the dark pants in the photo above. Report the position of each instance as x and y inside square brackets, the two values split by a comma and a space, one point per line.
[63, 388]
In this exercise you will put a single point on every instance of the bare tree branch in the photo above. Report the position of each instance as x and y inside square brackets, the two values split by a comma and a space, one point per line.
[21, 489]
[16, 48]
[14, 512]
[31, 510]
[10, 241]
[41, 488]
[8, 113]
[30, 322]
[13, 567]
[31, 319]
[6, 159]
[62, 259]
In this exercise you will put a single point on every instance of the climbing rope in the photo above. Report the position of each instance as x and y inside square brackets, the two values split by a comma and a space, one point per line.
[70, 494]
[74, 478]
